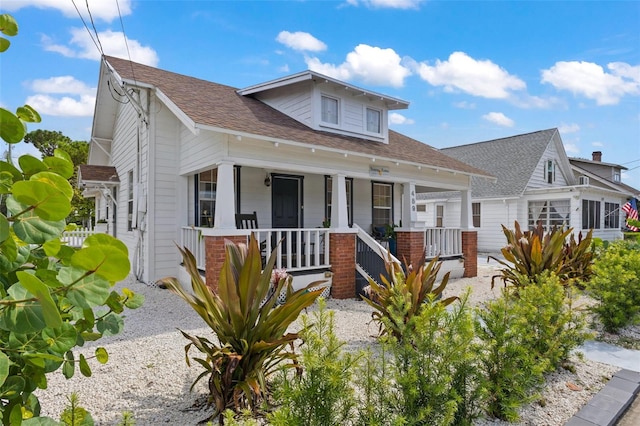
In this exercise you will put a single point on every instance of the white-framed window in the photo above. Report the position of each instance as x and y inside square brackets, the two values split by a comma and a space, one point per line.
[381, 203]
[550, 171]
[439, 216]
[330, 109]
[206, 184]
[328, 184]
[590, 214]
[611, 216]
[130, 201]
[475, 214]
[549, 213]
[616, 176]
[374, 120]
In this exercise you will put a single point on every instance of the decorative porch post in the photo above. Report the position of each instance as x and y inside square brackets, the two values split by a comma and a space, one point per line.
[342, 243]
[469, 236]
[224, 217]
[410, 238]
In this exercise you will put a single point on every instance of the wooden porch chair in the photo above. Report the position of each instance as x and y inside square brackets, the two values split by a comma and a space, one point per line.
[247, 220]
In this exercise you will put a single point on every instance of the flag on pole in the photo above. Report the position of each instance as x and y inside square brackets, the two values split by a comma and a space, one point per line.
[631, 209]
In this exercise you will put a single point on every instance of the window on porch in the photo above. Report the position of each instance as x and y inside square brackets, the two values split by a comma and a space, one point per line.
[475, 214]
[590, 214]
[549, 214]
[206, 184]
[328, 185]
[611, 216]
[382, 203]
[439, 216]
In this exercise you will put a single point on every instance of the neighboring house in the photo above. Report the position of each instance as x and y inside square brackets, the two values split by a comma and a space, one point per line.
[180, 157]
[535, 183]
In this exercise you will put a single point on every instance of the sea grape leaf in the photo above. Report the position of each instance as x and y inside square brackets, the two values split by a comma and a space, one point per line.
[108, 261]
[34, 230]
[57, 181]
[48, 202]
[41, 291]
[60, 166]
[89, 290]
[12, 129]
[60, 339]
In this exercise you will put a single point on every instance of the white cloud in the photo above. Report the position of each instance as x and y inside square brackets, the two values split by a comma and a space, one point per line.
[395, 118]
[388, 4]
[284, 68]
[106, 10]
[301, 41]
[592, 81]
[465, 105]
[568, 128]
[64, 106]
[62, 84]
[113, 44]
[597, 144]
[477, 77]
[372, 65]
[498, 118]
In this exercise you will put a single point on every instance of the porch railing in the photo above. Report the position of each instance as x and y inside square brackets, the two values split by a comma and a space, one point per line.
[76, 237]
[370, 256]
[299, 249]
[192, 239]
[443, 242]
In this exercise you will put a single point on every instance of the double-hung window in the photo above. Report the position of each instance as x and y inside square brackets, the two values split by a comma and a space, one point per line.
[549, 214]
[330, 109]
[550, 171]
[130, 201]
[374, 120]
[382, 203]
[206, 184]
[475, 214]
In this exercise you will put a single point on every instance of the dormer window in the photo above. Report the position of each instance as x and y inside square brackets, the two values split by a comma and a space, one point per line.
[616, 176]
[550, 171]
[374, 120]
[330, 110]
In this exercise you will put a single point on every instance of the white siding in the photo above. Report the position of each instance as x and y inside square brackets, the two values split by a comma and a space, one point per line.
[539, 177]
[199, 152]
[295, 101]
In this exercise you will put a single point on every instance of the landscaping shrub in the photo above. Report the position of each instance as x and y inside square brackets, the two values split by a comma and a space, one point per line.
[252, 334]
[50, 293]
[616, 285]
[411, 290]
[529, 253]
[511, 370]
[321, 394]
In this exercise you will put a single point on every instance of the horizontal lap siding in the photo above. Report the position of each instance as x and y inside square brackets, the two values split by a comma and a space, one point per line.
[165, 209]
[199, 152]
[293, 101]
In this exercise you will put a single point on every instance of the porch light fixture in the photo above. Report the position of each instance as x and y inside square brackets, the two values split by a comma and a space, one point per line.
[267, 181]
[276, 144]
[313, 150]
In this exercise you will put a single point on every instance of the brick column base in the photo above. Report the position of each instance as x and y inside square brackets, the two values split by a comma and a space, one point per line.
[214, 253]
[342, 257]
[470, 253]
[410, 246]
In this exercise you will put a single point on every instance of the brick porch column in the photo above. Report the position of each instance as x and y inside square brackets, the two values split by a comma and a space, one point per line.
[342, 257]
[214, 256]
[410, 246]
[470, 253]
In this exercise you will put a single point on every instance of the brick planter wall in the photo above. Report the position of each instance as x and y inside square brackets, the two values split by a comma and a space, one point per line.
[343, 264]
[214, 256]
[410, 246]
[470, 253]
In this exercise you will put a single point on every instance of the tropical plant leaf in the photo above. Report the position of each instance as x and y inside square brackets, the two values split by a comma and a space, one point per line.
[4, 368]
[61, 339]
[47, 201]
[102, 355]
[24, 317]
[12, 129]
[86, 290]
[32, 229]
[36, 287]
[31, 165]
[57, 181]
[85, 370]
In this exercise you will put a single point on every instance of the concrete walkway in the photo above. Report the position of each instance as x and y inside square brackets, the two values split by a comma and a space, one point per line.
[617, 402]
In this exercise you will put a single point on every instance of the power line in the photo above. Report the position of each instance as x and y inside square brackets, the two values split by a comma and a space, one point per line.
[126, 43]
[86, 26]
[94, 28]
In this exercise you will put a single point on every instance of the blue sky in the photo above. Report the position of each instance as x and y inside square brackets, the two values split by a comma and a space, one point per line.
[472, 71]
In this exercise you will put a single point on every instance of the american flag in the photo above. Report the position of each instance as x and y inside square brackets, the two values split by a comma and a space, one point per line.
[631, 209]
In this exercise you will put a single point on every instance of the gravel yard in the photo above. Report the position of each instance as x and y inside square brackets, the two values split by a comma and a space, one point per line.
[147, 375]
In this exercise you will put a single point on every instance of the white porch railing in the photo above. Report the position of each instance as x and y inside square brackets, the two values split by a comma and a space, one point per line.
[76, 237]
[192, 239]
[300, 248]
[443, 242]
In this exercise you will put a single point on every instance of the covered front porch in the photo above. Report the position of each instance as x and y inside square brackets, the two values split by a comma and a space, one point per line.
[340, 246]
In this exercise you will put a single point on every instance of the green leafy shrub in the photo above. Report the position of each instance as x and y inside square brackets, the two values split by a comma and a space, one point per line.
[407, 291]
[616, 285]
[48, 290]
[549, 322]
[321, 393]
[377, 391]
[251, 335]
[511, 370]
[529, 253]
[433, 368]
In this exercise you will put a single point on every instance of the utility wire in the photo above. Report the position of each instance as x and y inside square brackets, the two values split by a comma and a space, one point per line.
[87, 27]
[94, 29]
[125, 41]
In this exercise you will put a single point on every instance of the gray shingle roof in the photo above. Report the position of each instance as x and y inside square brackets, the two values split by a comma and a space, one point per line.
[511, 160]
[220, 106]
[93, 173]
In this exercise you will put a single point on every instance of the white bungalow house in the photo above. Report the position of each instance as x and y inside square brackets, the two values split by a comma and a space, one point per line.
[174, 159]
[535, 182]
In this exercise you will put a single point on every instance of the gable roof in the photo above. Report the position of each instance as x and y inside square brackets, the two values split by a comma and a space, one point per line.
[617, 186]
[511, 160]
[97, 174]
[218, 107]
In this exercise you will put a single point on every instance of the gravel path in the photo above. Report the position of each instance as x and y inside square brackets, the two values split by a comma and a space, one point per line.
[147, 375]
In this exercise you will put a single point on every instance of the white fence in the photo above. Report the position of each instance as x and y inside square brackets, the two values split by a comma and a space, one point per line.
[443, 242]
[192, 239]
[76, 237]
